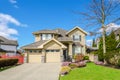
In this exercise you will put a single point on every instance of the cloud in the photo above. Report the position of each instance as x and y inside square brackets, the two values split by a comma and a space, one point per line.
[5, 29]
[14, 2]
[89, 42]
[111, 27]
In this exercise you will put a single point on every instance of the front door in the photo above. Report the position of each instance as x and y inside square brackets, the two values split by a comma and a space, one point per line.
[65, 55]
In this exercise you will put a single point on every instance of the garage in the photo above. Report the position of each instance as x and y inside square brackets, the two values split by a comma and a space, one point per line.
[53, 56]
[35, 58]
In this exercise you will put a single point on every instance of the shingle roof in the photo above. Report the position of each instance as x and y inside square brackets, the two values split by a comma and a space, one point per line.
[34, 45]
[6, 41]
[63, 36]
[45, 31]
[77, 44]
[65, 39]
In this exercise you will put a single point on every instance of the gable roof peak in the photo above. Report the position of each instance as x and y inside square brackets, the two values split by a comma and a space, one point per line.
[77, 27]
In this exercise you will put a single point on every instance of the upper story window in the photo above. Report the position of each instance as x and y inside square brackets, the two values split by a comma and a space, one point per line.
[46, 36]
[77, 37]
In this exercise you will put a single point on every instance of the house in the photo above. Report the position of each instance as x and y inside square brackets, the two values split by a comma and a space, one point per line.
[56, 45]
[8, 46]
[117, 35]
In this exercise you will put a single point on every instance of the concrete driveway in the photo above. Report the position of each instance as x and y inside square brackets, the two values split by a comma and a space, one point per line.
[31, 71]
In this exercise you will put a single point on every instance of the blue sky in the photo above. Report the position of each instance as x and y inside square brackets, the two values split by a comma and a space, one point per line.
[27, 16]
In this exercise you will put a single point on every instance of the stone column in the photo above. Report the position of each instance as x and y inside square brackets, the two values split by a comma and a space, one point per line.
[27, 56]
[61, 55]
[70, 50]
[43, 59]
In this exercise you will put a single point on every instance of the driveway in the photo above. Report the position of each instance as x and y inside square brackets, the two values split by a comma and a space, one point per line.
[32, 71]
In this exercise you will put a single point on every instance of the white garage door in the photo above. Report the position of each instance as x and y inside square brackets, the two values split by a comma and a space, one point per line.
[53, 56]
[34, 58]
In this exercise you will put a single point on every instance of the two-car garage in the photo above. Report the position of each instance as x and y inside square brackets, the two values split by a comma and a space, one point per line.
[51, 56]
[50, 51]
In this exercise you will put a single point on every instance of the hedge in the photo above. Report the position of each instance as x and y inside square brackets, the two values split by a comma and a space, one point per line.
[8, 62]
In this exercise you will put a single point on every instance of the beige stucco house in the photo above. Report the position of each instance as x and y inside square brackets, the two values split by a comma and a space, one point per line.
[56, 45]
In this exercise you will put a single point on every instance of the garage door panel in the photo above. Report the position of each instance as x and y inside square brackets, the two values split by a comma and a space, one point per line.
[34, 58]
[53, 57]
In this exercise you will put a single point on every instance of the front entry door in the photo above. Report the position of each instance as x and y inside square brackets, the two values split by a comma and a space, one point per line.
[65, 55]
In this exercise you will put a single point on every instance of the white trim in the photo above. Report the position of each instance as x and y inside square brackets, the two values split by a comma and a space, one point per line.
[77, 27]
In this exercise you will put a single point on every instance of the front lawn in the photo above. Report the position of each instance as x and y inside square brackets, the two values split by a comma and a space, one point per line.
[93, 72]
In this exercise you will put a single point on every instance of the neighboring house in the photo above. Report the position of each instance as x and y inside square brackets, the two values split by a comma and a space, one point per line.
[56, 45]
[9, 46]
[117, 34]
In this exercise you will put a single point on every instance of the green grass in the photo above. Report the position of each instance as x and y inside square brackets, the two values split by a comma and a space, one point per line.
[93, 72]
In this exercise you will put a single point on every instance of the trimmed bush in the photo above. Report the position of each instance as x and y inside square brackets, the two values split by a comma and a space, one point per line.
[7, 62]
[79, 57]
[73, 65]
[99, 63]
[65, 70]
[66, 63]
[118, 64]
[78, 64]
[81, 64]
[86, 57]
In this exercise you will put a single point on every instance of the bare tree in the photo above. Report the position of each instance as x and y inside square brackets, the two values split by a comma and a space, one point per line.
[102, 12]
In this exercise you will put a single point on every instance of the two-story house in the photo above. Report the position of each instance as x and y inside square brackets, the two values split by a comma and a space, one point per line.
[8, 46]
[56, 45]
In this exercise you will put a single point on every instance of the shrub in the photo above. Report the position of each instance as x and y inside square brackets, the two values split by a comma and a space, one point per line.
[112, 57]
[86, 57]
[65, 70]
[66, 63]
[78, 64]
[7, 62]
[99, 63]
[118, 64]
[73, 65]
[82, 64]
[79, 57]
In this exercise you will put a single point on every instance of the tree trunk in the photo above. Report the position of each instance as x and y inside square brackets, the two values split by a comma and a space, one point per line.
[104, 45]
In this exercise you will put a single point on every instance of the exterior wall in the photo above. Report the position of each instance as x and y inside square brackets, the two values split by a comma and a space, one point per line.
[92, 57]
[37, 37]
[10, 48]
[52, 45]
[83, 39]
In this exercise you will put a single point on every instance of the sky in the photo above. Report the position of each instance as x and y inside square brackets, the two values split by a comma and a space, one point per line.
[19, 18]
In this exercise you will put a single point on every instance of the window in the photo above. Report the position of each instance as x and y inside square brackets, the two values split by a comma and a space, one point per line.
[35, 51]
[78, 50]
[52, 50]
[39, 51]
[30, 51]
[77, 37]
[46, 36]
